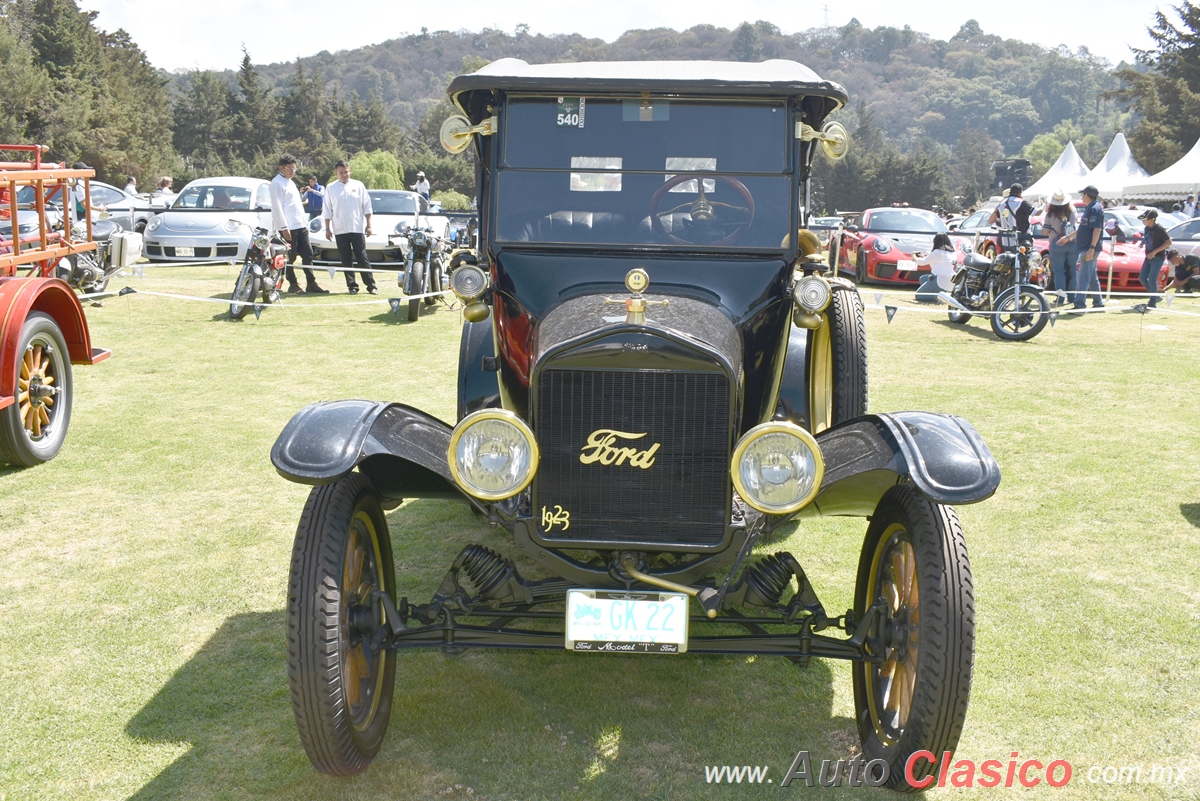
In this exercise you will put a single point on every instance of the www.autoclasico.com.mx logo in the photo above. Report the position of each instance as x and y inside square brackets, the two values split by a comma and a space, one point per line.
[925, 769]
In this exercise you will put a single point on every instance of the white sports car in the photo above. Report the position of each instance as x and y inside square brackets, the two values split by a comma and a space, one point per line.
[211, 219]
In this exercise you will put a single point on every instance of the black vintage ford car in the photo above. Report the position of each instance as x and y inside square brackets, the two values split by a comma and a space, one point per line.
[656, 373]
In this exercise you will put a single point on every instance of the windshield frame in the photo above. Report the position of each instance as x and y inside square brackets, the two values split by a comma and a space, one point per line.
[787, 174]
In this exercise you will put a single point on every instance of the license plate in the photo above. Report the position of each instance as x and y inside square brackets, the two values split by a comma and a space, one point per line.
[906, 264]
[611, 621]
[190, 252]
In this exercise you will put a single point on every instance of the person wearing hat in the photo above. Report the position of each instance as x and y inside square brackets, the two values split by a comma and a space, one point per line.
[421, 187]
[1087, 240]
[1156, 241]
[1058, 225]
[1187, 271]
[1013, 212]
[1190, 208]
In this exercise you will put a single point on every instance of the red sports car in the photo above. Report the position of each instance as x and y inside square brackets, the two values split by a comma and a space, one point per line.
[878, 245]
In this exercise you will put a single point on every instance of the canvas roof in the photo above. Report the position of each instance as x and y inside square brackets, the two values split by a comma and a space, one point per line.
[1173, 183]
[1069, 174]
[1116, 170]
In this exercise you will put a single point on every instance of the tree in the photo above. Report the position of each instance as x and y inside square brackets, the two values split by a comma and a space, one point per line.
[378, 169]
[306, 109]
[24, 86]
[1168, 97]
[255, 114]
[203, 124]
[365, 126]
[747, 44]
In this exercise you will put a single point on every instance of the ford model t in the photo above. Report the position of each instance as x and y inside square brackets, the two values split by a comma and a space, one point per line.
[656, 373]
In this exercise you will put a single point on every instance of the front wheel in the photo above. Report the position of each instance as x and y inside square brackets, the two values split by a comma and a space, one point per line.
[914, 570]
[860, 268]
[341, 686]
[416, 283]
[33, 428]
[1020, 319]
[244, 292]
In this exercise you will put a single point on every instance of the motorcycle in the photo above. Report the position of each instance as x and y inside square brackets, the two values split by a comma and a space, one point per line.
[1003, 287]
[424, 272]
[262, 271]
[89, 272]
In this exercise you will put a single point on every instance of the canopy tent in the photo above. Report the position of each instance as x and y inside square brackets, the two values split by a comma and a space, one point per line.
[1174, 183]
[1116, 170]
[1068, 174]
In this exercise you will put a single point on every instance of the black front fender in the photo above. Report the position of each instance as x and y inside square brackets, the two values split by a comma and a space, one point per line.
[943, 455]
[401, 449]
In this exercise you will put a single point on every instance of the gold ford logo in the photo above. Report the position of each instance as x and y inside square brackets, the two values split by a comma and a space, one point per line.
[601, 448]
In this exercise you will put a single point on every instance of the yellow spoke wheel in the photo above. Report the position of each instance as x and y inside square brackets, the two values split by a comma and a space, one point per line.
[33, 428]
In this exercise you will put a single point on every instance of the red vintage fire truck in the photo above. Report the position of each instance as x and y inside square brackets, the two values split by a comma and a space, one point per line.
[43, 330]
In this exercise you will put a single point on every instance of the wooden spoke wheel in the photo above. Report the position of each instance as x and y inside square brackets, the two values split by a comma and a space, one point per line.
[34, 427]
[912, 696]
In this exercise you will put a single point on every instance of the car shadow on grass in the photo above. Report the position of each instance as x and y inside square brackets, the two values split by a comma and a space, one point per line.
[504, 724]
[1191, 513]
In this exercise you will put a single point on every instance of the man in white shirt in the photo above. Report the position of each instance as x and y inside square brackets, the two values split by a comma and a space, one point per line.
[347, 214]
[1189, 206]
[288, 217]
[421, 187]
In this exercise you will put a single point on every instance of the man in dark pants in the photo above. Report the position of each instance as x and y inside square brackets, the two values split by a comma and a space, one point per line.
[1087, 237]
[347, 216]
[288, 217]
[1156, 241]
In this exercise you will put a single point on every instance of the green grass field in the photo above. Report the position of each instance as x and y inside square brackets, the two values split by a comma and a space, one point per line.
[144, 577]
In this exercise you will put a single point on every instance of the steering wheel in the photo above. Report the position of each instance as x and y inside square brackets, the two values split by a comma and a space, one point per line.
[704, 223]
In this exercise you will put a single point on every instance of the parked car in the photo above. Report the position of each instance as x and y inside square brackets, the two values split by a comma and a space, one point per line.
[879, 244]
[205, 220]
[395, 211]
[128, 212]
[1186, 237]
[656, 371]
[824, 228]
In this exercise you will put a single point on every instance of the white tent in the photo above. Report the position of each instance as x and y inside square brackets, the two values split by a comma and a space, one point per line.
[1067, 174]
[1173, 183]
[1115, 171]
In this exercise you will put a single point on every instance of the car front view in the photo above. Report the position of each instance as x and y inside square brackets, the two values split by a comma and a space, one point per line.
[656, 373]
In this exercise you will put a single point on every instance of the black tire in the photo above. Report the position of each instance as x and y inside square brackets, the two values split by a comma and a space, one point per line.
[329, 662]
[860, 268]
[837, 364]
[959, 317]
[928, 640]
[244, 292]
[32, 430]
[416, 283]
[1017, 323]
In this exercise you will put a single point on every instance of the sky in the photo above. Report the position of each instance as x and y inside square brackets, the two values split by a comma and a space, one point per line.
[209, 34]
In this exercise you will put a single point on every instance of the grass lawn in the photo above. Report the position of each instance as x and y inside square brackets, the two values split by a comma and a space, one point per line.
[145, 572]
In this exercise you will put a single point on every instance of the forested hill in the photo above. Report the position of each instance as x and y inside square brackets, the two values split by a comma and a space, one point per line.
[928, 116]
[916, 87]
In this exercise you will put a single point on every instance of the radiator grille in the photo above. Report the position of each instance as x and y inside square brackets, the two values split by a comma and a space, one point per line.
[682, 498]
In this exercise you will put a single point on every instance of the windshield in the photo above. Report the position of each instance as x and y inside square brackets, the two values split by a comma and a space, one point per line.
[909, 221]
[213, 196]
[645, 171]
[393, 202]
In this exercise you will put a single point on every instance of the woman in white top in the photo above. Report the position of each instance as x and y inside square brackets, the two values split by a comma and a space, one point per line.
[941, 268]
